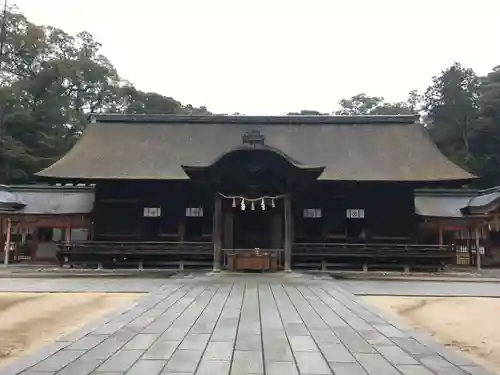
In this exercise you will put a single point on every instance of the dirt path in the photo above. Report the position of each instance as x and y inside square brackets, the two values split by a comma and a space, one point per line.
[469, 324]
[28, 321]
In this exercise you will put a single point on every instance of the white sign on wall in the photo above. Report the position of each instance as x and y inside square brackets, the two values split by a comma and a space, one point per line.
[194, 211]
[355, 213]
[312, 213]
[152, 212]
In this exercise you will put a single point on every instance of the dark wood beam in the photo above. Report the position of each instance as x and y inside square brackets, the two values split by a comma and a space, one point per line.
[217, 232]
[287, 243]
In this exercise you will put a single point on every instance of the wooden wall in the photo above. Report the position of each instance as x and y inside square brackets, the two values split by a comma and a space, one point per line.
[389, 212]
[119, 210]
[388, 208]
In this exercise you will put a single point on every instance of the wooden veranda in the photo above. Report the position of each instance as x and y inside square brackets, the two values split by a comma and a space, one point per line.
[321, 256]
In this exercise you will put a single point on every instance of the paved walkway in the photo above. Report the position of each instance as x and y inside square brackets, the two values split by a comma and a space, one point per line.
[219, 325]
[82, 284]
[423, 288]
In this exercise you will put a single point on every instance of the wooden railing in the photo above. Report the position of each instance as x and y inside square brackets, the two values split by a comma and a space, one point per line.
[369, 249]
[135, 247]
[134, 252]
[365, 254]
[271, 251]
[139, 254]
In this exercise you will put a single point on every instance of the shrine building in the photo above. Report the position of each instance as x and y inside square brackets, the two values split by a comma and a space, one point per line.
[253, 192]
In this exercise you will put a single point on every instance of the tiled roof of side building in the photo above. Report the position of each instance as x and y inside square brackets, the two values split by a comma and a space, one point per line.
[48, 200]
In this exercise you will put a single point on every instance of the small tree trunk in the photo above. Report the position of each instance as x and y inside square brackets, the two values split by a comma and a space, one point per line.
[465, 137]
[3, 163]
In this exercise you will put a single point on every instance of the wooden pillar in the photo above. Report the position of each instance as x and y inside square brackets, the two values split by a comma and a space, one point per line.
[181, 229]
[217, 232]
[288, 234]
[441, 237]
[2, 237]
[7, 242]
[67, 236]
[478, 243]
[91, 233]
[277, 235]
[23, 228]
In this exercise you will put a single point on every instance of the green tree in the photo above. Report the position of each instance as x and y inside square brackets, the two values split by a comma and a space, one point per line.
[129, 100]
[49, 83]
[414, 101]
[390, 109]
[451, 103]
[306, 112]
[50, 80]
[489, 95]
[362, 104]
[485, 141]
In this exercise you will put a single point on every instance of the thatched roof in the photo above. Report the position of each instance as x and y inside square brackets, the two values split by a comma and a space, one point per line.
[351, 148]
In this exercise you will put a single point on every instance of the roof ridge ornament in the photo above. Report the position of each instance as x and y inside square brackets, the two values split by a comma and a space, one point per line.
[253, 138]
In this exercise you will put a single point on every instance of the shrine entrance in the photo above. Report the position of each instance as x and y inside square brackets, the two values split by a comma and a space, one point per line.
[258, 229]
[253, 230]
[253, 184]
[253, 237]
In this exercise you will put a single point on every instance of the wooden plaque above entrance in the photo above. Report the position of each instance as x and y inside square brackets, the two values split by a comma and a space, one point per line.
[253, 138]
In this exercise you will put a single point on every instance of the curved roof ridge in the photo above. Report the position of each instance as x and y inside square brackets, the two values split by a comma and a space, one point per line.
[264, 148]
[261, 148]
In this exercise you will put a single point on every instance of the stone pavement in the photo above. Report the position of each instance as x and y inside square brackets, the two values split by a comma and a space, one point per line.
[83, 284]
[219, 325]
[423, 288]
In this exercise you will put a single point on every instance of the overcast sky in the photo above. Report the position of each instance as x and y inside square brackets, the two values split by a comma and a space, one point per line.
[276, 56]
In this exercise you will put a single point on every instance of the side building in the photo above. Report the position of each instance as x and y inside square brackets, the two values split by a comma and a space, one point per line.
[238, 190]
[33, 218]
[467, 218]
